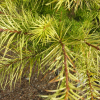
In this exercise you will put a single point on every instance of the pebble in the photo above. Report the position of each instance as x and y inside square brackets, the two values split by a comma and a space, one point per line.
[27, 78]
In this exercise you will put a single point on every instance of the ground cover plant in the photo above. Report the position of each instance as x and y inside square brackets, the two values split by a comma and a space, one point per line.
[55, 36]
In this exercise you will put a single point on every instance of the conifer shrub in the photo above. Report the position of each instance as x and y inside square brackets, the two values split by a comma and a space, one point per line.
[57, 36]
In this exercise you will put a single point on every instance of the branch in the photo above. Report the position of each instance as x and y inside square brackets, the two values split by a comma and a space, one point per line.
[6, 65]
[91, 89]
[15, 31]
[66, 70]
[96, 47]
[16, 61]
[6, 30]
[1, 12]
[71, 62]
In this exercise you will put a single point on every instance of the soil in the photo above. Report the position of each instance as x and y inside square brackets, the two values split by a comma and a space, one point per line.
[25, 91]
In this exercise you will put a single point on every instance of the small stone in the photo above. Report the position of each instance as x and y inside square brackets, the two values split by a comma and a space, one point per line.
[27, 78]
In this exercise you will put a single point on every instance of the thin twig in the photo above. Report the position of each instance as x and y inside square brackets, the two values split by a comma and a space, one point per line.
[90, 85]
[6, 30]
[1, 12]
[71, 62]
[66, 70]
[91, 89]
[14, 31]
[96, 47]
[6, 65]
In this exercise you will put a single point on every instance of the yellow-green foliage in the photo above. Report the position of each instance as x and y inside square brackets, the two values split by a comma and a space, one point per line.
[60, 35]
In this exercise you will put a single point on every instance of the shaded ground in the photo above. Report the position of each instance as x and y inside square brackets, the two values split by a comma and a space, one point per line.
[26, 91]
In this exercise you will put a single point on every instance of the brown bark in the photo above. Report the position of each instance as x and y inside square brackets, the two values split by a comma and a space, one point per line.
[66, 69]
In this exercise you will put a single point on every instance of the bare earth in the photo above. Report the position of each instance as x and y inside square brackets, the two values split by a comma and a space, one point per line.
[26, 91]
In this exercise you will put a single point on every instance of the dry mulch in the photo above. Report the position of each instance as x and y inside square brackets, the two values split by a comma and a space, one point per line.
[26, 91]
